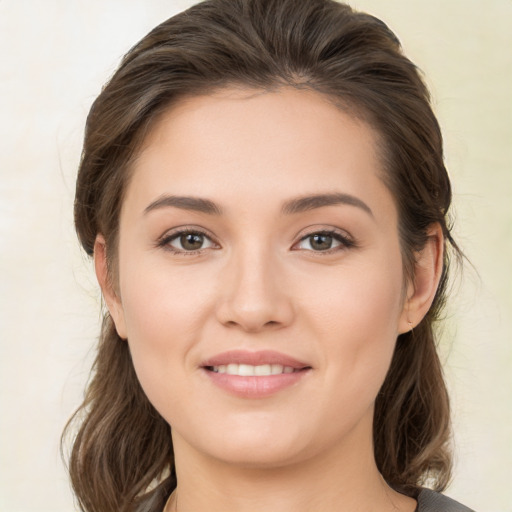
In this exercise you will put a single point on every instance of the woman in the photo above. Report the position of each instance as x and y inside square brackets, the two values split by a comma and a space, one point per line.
[263, 191]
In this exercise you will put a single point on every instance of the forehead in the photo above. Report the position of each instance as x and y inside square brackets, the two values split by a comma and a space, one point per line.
[247, 143]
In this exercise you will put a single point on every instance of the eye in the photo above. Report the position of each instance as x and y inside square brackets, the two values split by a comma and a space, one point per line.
[325, 241]
[187, 241]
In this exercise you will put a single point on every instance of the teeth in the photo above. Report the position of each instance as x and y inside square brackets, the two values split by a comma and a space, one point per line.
[276, 369]
[264, 369]
[245, 370]
[248, 370]
[231, 369]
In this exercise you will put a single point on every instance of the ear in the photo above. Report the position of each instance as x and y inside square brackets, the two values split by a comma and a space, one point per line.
[110, 295]
[428, 268]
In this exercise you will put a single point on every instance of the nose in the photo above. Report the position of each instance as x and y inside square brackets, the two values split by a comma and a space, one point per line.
[253, 296]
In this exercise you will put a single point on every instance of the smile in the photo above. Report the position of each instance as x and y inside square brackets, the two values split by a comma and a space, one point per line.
[248, 370]
[254, 375]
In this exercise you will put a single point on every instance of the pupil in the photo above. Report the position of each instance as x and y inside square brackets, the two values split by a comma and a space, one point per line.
[321, 242]
[191, 241]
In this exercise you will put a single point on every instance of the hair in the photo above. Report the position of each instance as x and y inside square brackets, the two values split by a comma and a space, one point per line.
[122, 455]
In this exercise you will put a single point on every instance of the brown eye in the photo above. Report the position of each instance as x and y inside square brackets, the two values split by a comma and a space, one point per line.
[324, 241]
[187, 242]
[320, 242]
[191, 241]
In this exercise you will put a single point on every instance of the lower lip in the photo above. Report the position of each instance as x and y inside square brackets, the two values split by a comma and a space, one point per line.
[255, 387]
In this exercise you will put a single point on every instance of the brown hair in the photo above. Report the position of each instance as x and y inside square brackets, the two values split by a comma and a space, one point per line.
[123, 446]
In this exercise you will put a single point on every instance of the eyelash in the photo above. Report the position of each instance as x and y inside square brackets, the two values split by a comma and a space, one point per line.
[345, 241]
[166, 240]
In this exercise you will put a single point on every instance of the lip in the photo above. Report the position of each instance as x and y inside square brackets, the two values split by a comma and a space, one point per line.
[254, 358]
[253, 387]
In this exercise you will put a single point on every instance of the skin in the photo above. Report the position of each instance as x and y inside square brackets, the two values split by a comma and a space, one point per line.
[258, 282]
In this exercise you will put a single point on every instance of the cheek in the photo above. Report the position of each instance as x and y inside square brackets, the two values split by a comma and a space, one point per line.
[161, 301]
[357, 315]
[164, 314]
[356, 300]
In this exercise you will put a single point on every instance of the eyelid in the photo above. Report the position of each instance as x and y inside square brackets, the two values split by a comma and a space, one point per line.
[172, 234]
[345, 239]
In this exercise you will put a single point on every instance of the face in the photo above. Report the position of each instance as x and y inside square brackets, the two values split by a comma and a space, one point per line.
[260, 276]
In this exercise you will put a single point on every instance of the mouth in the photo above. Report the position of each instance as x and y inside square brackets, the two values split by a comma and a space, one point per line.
[248, 364]
[248, 370]
[254, 374]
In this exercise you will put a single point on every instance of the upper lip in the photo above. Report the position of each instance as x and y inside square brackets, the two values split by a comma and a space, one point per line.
[260, 357]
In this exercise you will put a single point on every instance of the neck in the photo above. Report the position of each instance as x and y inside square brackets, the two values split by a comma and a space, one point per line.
[342, 480]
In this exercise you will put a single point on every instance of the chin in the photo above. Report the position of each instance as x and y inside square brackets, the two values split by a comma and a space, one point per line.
[250, 444]
[259, 455]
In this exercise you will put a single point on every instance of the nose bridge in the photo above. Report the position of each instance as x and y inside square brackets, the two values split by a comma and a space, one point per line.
[253, 295]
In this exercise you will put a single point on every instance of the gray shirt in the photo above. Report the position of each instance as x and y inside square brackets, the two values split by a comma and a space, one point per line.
[430, 501]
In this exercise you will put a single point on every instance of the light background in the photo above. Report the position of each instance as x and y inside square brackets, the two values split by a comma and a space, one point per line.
[54, 57]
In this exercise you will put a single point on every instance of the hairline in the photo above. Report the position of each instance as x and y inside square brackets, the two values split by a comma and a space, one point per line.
[357, 112]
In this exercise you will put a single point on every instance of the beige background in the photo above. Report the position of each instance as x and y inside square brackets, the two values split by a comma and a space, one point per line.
[54, 56]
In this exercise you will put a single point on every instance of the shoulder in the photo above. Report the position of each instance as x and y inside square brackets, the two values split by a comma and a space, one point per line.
[430, 501]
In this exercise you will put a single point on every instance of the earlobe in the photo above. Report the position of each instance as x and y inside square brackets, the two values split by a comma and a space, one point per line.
[427, 274]
[110, 295]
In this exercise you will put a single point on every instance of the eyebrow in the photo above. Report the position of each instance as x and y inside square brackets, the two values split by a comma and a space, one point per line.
[305, 203]
[197, 204]
[290, 207]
